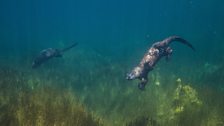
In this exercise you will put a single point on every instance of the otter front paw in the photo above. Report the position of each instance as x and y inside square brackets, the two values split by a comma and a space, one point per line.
[141, 86]
[130, 76]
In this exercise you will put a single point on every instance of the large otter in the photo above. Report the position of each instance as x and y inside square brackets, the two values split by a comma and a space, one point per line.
[49, 53]
[154, 54]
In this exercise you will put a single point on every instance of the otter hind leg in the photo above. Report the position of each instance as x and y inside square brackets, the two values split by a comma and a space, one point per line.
[168, 53]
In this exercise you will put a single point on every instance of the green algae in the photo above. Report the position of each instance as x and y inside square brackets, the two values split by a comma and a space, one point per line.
[96, 94]
[24, 105]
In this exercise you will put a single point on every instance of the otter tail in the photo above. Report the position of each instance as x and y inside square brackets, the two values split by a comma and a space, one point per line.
[178, 39]
[67, 48]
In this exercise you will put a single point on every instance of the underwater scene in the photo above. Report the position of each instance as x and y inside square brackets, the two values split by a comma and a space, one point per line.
[112, 63]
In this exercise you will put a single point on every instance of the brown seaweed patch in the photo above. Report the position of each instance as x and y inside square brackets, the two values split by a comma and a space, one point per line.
[21, 105]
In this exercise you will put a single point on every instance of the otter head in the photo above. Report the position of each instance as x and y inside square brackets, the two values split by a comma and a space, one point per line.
[135, 73]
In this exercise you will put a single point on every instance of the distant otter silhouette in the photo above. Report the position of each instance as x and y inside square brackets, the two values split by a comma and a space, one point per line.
[49, 53]
[154, 54]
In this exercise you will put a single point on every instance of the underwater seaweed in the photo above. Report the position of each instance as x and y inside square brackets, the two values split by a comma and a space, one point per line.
[142, 121]
[184, 95]
[96, 93]
[39, 106]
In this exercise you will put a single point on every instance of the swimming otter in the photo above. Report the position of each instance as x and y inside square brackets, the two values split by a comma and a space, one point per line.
[154, 54]
[49, 53]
